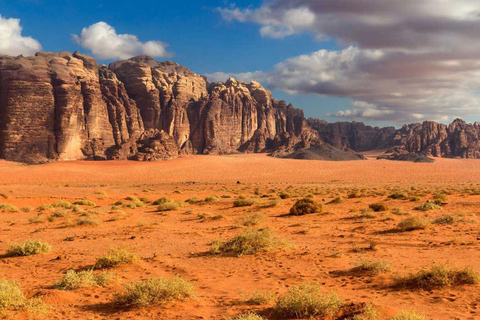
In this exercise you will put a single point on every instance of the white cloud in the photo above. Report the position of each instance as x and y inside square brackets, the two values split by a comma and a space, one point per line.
[12, 42]
[104, 42]
[404, 60]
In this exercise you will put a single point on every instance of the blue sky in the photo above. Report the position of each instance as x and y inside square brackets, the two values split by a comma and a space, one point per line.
[399, 62]
[197, 35]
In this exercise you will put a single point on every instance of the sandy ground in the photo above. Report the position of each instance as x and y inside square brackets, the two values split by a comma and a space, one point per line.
[325, 246]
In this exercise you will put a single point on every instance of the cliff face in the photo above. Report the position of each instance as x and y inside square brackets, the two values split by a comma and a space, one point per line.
[62, 106]
[458, 140]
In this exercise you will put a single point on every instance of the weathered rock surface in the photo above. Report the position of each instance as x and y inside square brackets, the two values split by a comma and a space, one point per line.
[62, 106]
[325, 152]
[411, 157]
[458, 140]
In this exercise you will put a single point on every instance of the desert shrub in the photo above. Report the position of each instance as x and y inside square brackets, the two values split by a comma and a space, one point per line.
[62, 204]
[367, 213]
[415, 198]
[168, 206]
[243, 202]
[439, 276]
[427, 206]
[193, 200]
[85, 203]
[253, 219]
[87, 221]
[370, 312]
[414, 223]
[36, 219]
[162, 200]
[261, 297]
[337, 200]
[308, 301]
[155, 291]
[251, 241]
[28, 248]
[11, 296]
[248, 316]
[74, 280]
[399, 212]
[271, 204]
[211, 199]
[373, 266]
[398, 196]
[114, 258]
[408, 315]
[284, 195]
[26, 209]
[378, 207]
[5, 207]
[439, 198]
[306, 206]
[209, 217]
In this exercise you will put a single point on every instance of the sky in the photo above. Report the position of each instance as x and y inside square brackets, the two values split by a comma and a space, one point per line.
[383, 62]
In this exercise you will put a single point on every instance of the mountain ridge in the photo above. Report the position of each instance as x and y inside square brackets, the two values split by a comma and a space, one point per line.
[63, 106]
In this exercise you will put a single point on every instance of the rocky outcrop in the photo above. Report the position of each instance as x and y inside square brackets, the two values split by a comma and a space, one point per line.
[457, 140]
[354, 135]
[410, 157]
[62, 106]
[325, 152]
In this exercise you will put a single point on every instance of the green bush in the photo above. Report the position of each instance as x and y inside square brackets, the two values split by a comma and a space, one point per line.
[306, 206]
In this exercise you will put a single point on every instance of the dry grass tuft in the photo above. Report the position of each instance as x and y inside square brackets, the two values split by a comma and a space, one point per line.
[28, 248]
[249, 242]
[439, 276]
[155, 292]
[114, 258]
[308, 301]
[306, 206]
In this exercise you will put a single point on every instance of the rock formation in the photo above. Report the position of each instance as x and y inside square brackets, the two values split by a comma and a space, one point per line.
[62, 106]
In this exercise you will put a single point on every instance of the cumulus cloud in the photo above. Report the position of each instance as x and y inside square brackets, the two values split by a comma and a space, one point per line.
[402, 60]
[12, 42]
[104, 42]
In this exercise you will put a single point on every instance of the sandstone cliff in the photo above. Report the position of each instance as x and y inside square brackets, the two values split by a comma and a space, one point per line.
[62, 106]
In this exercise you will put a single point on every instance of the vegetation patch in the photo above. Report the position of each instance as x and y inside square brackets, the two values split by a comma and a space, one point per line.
[243, 202]
[261, 297]
[85, 203]
[308, 301]
[114, 258]
[408, 315]
[248, 316]
[28, 248]
[427, 206]
[373, 266]
[74, 280]
[378, 207]
[249, 242]
[439, 276]
[306, 206]
[413, 223]
[155, 292]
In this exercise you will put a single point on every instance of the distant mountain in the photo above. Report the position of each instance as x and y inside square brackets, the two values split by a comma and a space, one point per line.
[63, 106]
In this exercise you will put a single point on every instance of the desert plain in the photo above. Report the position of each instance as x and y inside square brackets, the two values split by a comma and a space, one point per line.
[350, 247]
